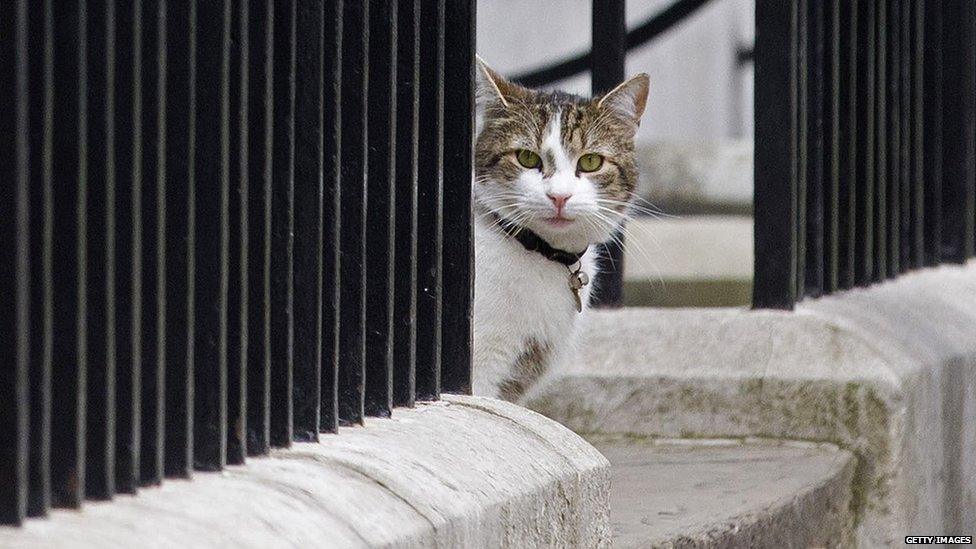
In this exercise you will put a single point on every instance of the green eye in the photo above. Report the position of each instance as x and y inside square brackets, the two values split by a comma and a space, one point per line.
[590, 162]
[528, 159]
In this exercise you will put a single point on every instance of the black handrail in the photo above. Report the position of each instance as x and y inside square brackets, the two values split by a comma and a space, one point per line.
[640, 35]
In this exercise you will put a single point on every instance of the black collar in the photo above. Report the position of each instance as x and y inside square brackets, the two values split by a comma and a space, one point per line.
[535, 243]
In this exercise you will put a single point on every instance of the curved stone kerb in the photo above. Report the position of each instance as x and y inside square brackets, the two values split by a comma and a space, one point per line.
[466, 472]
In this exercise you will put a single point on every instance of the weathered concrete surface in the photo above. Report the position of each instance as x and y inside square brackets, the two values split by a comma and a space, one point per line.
[698, 261]
[468, 472]
[727, 493]
[888, 373]
[697, 177]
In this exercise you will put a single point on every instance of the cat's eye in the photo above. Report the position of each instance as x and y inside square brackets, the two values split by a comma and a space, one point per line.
[590, 162]
[528, 159]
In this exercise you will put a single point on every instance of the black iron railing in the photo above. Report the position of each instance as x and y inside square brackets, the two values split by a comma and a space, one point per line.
[224, 228]
[865, 142]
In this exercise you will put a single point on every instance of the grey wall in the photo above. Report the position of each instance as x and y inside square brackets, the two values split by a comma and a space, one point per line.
[696, 92]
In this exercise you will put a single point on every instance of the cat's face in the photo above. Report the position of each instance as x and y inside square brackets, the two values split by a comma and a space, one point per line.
[560, 165]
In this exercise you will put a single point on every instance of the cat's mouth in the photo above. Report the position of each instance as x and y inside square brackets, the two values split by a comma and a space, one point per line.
[558, 221]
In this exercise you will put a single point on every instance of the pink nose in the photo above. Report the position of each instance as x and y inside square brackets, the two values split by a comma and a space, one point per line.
[559, 201]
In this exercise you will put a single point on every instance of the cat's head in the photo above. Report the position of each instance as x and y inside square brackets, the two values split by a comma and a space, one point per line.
[558, 164]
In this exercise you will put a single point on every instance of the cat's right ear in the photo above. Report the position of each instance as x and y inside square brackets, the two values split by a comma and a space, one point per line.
[490, 90]
[490, 86]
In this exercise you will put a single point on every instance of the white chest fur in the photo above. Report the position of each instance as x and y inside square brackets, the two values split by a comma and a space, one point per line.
[520, 296]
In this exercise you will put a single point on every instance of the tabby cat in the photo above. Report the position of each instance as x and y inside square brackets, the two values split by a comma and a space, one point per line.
[554, 176]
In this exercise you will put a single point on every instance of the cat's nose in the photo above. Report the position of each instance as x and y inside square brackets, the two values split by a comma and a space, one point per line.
[559, 201]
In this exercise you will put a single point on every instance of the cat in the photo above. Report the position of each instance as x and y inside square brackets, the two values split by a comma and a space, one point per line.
[554, 176]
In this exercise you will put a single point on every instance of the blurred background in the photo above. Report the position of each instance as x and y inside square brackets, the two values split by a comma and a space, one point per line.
[694, 145]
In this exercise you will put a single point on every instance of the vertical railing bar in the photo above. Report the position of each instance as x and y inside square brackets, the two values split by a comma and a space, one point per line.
[135, 255]
[17, 338]
[405, 306]
[15, 266]
[210, 212]
[865, 144]
[932, 155]
[260, 116]
[459, 113]
[180, 156]
[907, 136]
[352, 297]
[803, 140]
[81, 257]
[833, 87]
[848, 111]
[775, 157]
[41, 88]
[959, 130]
[237, 289]
[608, 31]
[69, 182]
[432, 389]
[429, 200]
[282, 224]
[100, 252]
[815, 218]
[153, 170]
[894, 114]
[881, 145]
[331, 214]
[308, 220]
[128, 264]
[917, 194]
[381, 216]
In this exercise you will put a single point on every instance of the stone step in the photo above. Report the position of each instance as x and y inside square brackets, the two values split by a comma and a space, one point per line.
[728, 493]
[886, 372]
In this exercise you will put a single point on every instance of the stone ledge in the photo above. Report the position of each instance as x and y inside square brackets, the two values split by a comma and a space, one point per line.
[701, 261]
[887, 372]
[465, 472]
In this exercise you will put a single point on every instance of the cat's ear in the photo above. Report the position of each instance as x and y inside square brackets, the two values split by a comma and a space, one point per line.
[490, 86]
[628, 99]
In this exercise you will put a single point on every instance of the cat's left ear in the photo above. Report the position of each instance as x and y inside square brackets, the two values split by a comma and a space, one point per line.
[628, 99]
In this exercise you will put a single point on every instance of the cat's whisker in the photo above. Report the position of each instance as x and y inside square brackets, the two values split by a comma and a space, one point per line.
[635, 244]
[631, 243]
[607, 256]
[496, 214]
[611, 227]
[611, 224]
[628, 228]
[651, 207]
[624, 214]
[632, 208]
